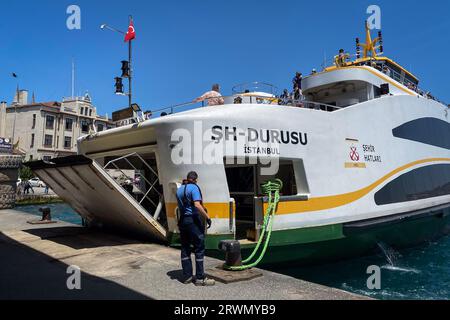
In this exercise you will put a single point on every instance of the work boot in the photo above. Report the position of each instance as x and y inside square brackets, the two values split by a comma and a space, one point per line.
[204, 282]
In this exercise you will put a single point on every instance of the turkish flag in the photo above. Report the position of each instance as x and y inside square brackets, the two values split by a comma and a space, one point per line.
[131, 34]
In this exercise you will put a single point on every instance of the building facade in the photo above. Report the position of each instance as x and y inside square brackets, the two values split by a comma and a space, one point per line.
[47, 130]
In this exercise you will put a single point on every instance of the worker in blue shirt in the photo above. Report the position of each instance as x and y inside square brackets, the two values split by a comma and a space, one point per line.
[192, 230]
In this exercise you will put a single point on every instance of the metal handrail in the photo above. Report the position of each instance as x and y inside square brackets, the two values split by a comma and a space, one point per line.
[255, 99]
[253, 87]
[152, 185]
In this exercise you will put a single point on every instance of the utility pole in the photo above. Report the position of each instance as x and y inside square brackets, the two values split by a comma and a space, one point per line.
[130, 93]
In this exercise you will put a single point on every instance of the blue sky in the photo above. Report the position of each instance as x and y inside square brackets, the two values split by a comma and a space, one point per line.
[182, 47]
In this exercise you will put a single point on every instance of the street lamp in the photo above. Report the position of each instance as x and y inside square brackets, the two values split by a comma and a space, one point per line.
[105, 26]
[130, 99]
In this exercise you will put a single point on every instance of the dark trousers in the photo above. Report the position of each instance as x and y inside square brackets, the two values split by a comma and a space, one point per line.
[192, 240]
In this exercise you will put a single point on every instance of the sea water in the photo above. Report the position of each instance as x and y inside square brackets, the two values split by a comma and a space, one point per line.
[418, 273]
[59, 211]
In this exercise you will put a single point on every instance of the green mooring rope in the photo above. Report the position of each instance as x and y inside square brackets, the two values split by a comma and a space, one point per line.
[272, 190]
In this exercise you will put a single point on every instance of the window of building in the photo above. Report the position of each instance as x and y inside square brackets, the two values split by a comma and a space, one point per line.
[67, 142]
[84, 126]
[34, 122]
[69, 124]
[49, 122]
[85, 111]
[32, 141]
[48, 140]
[100, 127]
[81, 110]
[90, 112]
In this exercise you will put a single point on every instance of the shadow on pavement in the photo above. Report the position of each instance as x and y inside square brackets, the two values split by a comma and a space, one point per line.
[28, 274]
[176, 275]
[73, 237]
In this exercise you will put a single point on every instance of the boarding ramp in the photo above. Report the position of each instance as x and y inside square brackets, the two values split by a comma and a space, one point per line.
[97, 197]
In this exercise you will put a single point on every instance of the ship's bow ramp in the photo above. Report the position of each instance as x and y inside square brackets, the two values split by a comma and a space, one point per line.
[97, 197]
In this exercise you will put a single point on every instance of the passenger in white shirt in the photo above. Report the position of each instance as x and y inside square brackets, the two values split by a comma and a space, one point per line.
[214, 97]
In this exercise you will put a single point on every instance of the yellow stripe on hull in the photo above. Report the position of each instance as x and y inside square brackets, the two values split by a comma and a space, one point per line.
[222, 210]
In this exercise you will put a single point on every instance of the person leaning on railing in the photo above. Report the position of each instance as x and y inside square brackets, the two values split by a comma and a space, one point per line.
[341, 59]
[214, 97]
[387, 71]
[285, 98]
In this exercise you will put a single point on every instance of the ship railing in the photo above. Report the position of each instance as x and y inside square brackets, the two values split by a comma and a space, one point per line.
[255, 87]
[152, 185]
[401, 78]
[247, 98]
[395, 75]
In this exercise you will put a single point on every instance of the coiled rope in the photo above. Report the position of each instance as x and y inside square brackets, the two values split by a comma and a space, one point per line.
[272, 190]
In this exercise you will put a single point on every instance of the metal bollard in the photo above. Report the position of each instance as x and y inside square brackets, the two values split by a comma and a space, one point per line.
[232, 249]
[46, 214]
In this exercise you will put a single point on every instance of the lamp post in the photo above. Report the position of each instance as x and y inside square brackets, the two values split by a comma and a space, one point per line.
[130, 76]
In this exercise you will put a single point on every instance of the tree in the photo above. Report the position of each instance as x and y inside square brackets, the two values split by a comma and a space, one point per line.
[25, 173]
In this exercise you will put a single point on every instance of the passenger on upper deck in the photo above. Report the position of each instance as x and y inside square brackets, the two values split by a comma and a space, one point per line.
[298, 97]
[341, 59]
[214, 97]
[297, 81]
[285, 97]
[386, 71]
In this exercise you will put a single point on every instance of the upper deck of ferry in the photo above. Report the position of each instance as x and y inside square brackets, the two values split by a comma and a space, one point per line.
[346, 81]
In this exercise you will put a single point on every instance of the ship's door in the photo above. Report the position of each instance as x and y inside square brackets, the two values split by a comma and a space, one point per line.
[242, 186]
[98, 197]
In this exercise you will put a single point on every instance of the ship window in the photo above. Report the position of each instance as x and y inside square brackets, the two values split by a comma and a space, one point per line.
[422, 183]
[431, 131]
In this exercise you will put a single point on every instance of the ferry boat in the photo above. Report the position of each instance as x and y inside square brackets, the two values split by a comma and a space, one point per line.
[364, 157]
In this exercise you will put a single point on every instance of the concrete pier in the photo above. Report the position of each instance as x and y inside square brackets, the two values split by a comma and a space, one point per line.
[34, 261]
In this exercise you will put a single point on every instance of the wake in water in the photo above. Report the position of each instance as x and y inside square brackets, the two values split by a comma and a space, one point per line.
[400, 269]
[392, 258]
